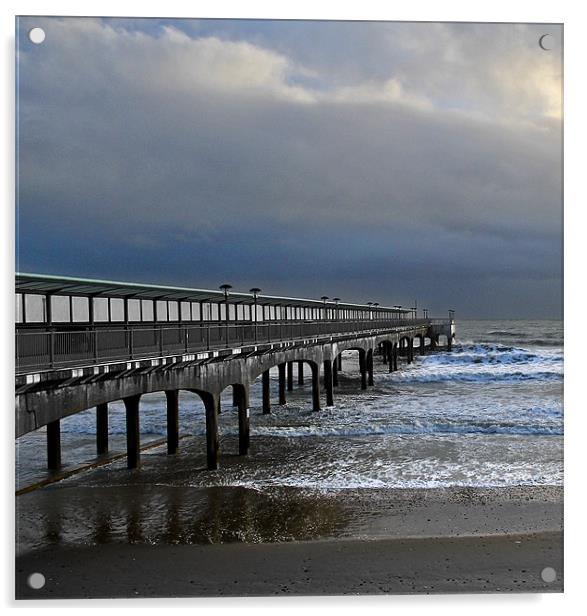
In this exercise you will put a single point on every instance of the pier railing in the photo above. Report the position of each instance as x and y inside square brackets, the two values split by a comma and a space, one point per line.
[45, 350]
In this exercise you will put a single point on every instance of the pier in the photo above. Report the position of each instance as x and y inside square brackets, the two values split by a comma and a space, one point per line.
[82, 344]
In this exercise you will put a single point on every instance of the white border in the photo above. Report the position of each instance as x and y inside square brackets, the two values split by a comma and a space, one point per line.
[571, 14]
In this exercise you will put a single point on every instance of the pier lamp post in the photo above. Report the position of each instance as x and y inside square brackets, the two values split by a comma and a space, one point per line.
[225, 288]
[425, 310]
[336, 300]
[451, 314]
[255, 291]
[324, 298]
[376, 312]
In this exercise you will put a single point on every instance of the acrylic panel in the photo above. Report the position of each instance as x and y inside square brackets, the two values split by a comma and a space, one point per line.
[288, 307]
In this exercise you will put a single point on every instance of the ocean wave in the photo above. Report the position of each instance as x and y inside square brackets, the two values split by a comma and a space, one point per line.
[415, 428]
[476, 377]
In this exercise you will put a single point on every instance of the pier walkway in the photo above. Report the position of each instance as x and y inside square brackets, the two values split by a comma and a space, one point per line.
[85, 343]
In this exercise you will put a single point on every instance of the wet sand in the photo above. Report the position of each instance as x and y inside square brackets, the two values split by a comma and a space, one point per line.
[162, 541]
[426, 565]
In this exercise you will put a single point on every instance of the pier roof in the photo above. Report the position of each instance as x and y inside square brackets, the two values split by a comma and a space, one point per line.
[88, 287]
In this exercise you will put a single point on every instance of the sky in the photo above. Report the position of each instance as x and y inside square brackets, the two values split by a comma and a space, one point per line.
[371, 161]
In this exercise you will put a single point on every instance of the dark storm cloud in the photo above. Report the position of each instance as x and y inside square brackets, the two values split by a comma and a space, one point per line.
[182, 156]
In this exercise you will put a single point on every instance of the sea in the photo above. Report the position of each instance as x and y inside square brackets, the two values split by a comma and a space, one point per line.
[488, 414]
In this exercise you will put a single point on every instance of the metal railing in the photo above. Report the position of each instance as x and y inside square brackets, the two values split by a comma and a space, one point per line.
[45, 350]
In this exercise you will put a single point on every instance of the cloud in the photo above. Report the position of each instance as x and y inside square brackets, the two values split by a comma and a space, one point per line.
[241, 132]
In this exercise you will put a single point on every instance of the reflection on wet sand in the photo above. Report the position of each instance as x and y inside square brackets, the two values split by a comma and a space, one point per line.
[172, 515]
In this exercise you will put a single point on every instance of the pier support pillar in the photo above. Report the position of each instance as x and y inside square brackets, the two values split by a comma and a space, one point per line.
[211, 404]
[315, 387]
[410, 350]
[266, 393]
[370, 368]
[394, 355]
[300, 373]
[335, 372]
[328, 382]
[243, 421]
[282, 399]
[234, 396]
[384, 352]
[54, 445]
[172, 420]
[102, 429]
[289, 375]
[133, 433]
[363, 369]
[449, 343]
[340, 361]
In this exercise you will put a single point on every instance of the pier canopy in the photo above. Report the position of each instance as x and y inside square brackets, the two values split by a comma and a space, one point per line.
[61, 299]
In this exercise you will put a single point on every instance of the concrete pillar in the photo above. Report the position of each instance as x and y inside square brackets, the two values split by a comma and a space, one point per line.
[315, 387]
[449, 343]
[133, 433]
[282, 399]
[328, 382]
[289, 375]
[335, 372]
[422, 345]
[266, 393]
[363, 369]
[395, 354]
[410, 350]
[300, 373]
[432, 342]
[102, 429]
[370, 368]
[340, 361]
[172, 420]
[54, 445]
[243, 421]
[390, 356]
[234, 396]
[211, 404]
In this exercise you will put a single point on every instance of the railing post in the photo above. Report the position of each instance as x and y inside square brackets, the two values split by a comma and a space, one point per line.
[52, 348]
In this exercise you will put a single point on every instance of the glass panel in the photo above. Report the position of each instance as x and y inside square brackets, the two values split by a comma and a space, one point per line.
[116, 309]
[222, 312]
[232, 312]
[18, 308]
[259, 313]
[35, 308]
[207, 308]
[195, 311]
[60, 312]
[240, 312]
[214, 312]
[186, 311]
[100, 309]
[81, 309]
[173, 311]
[147, 308]
[161, 310]
[134, 309]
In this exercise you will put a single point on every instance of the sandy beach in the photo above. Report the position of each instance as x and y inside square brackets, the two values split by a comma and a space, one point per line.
[387, 541]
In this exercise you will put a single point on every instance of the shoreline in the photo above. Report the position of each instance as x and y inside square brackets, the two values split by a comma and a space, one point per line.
[160, 541]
